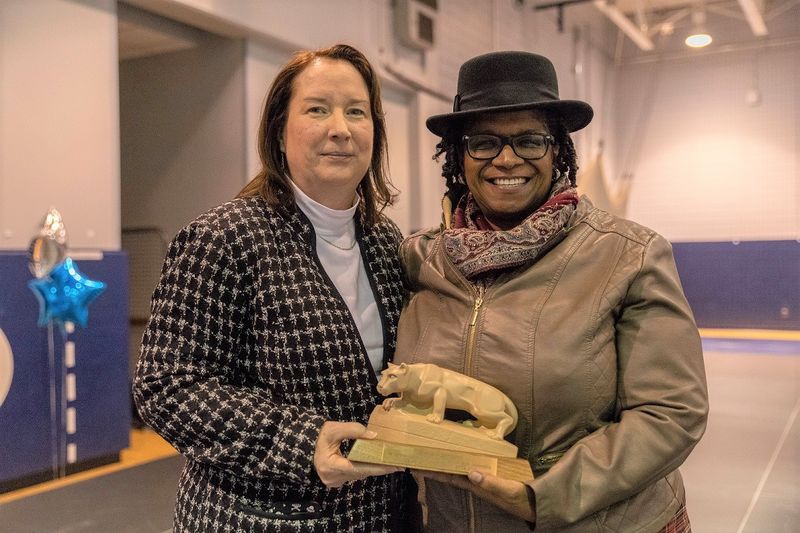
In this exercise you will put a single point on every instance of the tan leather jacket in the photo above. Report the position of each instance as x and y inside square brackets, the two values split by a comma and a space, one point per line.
[597, 347]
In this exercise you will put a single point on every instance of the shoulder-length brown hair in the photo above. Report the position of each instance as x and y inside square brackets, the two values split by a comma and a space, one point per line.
[271, 182]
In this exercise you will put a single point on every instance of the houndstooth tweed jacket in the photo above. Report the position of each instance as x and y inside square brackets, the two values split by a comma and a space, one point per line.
[249, 350]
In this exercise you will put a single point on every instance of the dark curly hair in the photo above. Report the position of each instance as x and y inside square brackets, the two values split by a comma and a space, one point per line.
[453, 150]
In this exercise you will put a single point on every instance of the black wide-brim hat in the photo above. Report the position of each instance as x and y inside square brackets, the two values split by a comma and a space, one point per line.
[508, 81]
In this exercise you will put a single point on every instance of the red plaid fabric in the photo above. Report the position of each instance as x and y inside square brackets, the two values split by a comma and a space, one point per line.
[679, 523]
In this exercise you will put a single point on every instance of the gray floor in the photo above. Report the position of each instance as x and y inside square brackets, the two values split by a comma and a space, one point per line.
[743, 477]
[136, 500]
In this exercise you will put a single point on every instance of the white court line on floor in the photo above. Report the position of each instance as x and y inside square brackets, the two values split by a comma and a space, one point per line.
[770, 465]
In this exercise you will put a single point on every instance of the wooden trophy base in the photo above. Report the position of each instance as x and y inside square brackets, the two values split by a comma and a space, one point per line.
[405, 438]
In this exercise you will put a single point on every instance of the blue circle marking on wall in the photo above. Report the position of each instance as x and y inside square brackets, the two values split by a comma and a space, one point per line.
[6, 367]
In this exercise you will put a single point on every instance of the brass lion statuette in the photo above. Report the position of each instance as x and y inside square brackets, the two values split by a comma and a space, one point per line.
[413, 433]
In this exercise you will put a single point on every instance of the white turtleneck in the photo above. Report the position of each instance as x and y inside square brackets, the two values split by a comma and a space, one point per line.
[340, 255]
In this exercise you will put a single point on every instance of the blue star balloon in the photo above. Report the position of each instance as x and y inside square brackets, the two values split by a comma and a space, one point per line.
[65, 294]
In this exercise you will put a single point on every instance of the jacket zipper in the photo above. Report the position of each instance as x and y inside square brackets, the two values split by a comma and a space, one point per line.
[471, 504]
[473, 327]
[471, 332]
[476, 309]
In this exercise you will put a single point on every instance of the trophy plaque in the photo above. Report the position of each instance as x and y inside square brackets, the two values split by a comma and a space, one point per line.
[413, 433]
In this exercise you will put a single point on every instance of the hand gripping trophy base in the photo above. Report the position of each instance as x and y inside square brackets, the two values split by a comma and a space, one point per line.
[412, 433]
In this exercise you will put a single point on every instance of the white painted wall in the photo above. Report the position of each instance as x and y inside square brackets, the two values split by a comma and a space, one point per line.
[59, 130]
[281, 23]
[398, 116]
[429, 184]
[707, 166]
[261, 65]
[183, 132]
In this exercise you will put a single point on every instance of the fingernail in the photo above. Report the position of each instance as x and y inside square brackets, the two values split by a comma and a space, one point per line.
[369, 434]
[475, 477]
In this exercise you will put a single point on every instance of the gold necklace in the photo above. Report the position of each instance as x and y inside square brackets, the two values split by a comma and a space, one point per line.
[345, 248]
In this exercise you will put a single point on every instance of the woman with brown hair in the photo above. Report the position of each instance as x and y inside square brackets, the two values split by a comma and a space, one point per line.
[273, 315]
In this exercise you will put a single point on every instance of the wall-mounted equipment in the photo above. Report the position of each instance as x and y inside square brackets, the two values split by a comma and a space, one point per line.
[415, 22]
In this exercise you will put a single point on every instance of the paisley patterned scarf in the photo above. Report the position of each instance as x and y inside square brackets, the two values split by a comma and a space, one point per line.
[476, 249]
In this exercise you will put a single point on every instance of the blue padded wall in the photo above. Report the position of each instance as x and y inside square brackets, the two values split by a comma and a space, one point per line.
[25, 414]
[750, 284]
[102, 401]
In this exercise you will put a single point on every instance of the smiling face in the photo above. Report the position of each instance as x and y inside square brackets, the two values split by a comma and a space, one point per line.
[328, 136]
[509, 188]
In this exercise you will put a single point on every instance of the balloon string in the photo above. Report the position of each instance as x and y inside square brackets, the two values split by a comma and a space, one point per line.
[51, 359]
[63, 440]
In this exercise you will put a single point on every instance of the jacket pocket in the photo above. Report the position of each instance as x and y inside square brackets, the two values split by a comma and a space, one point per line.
[542, 463]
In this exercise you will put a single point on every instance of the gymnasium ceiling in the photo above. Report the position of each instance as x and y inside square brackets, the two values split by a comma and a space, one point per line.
[643, 30]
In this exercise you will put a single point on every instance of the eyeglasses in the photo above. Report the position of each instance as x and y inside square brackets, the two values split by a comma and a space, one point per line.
[526, 146]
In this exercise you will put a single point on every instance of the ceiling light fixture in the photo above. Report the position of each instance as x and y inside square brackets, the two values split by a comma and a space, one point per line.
[699, 36]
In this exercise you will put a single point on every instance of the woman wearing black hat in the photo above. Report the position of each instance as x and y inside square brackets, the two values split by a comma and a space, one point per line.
[574, 313]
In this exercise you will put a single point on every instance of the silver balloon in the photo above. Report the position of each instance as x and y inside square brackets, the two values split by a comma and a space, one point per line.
[48, 247]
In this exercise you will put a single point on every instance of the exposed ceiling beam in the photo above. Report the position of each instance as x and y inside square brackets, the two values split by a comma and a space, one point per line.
[754, 13]
[625, 24]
